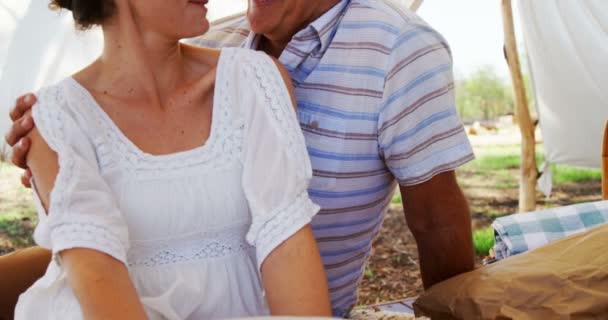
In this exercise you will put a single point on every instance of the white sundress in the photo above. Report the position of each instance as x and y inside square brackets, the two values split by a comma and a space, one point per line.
[193, 227]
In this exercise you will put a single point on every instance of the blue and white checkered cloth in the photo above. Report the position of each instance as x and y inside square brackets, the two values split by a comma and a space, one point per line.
[521, 232]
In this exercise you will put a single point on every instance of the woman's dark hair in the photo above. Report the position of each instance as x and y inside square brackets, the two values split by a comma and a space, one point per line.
[87, 13]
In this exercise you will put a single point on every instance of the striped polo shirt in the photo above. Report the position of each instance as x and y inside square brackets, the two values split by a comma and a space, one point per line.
[375, 94]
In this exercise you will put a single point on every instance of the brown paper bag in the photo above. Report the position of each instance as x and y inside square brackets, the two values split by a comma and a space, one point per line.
[566, 279]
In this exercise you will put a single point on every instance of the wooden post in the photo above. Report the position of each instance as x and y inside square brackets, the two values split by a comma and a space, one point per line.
[527, 182]
[605, 164]
[415, 5]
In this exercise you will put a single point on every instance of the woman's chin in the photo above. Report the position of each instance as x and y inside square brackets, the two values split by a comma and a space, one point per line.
[201, 28]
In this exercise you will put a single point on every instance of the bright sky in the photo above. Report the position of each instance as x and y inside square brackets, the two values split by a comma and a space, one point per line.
[474, 30]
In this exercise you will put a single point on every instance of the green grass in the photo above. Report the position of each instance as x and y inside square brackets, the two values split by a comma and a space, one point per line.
[396, 197]
[505, 180]
[499, 158]
[497, 161]
[17, 226]
[565, 174]
[17, 212]
[483, 240]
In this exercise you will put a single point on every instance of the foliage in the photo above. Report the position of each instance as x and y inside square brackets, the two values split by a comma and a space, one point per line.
[483, 96]
[16, 228]
[396, 197]
[483, 240]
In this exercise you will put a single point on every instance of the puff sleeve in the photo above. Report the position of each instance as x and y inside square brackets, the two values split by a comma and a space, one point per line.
[82, 212]
[276, 166]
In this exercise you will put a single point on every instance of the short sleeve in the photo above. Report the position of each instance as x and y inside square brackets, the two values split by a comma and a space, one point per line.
[420, 133]
[276, 167]
[82, 211]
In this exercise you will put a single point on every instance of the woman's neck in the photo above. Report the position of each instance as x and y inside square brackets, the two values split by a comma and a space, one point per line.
[137, 64]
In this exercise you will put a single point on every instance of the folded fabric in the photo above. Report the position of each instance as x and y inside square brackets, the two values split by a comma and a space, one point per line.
[521, 232]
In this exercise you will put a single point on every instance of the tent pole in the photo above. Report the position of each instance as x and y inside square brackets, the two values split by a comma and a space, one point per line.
[527, 183]
[605, 163]
[415, 5]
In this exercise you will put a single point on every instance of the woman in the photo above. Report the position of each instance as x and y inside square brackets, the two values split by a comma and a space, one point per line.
[171, 180]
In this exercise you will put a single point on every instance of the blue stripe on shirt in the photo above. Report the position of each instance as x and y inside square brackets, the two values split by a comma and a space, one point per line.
[371, 25]
[421, 126]
[416, 82]
[351, 69]
[343, 225]
[350, 249]
[346, 194]
[341, 156]
[335, 112]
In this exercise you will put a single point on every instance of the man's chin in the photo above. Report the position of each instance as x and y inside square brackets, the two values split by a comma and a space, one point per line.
[259, 23]
[261, 3]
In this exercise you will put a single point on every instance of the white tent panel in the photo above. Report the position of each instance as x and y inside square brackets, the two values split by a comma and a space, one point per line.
[567, 47]
[43, 48]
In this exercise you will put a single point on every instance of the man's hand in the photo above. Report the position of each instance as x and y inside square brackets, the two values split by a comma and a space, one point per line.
[23, 123]
[438, 215]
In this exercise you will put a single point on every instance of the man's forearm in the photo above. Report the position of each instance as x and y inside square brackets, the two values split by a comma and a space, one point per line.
[445, 252]
[438, 215]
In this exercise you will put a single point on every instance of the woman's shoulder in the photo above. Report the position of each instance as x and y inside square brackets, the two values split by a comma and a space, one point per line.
[60, 109]
[63, 98]
[52, 95]
[52, 103]
[255, 69]
[251, 59]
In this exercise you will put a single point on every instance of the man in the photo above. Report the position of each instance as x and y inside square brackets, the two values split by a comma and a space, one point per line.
[375, 98]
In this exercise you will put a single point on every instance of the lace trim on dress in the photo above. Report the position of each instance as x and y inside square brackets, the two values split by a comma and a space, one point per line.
[87, 235]
[222, 145]
[271, 84]
[282, 224]
[189, 248]
[53, 120]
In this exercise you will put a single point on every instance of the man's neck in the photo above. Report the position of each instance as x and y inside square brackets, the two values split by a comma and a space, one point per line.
[271, 48]
[274, 44]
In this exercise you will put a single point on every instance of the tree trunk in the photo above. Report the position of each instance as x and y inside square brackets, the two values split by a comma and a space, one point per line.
[527, 183]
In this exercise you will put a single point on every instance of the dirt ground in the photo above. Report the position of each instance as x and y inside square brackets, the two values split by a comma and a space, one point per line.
[392, 271]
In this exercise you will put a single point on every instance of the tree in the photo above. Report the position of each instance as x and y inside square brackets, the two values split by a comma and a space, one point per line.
[483, 95]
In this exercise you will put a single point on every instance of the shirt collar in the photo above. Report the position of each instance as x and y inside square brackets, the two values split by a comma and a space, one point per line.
[321, 30]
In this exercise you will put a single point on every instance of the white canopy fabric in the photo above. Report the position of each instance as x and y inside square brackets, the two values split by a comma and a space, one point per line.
[43, 48]
[567, 47]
